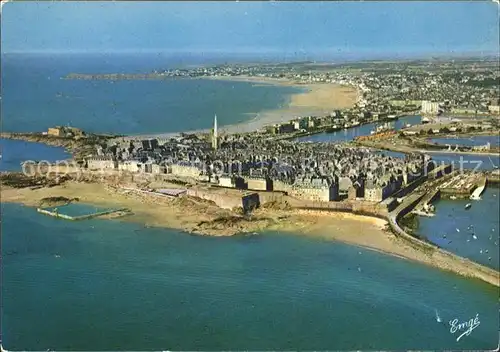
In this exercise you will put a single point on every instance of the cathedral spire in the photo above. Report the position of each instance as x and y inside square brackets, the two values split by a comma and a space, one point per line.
[215, 137]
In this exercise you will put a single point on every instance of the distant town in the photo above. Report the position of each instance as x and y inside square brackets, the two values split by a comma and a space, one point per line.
[271, 160]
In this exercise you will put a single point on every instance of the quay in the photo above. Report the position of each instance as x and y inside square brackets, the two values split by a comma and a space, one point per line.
[55, 213]
[463, 185]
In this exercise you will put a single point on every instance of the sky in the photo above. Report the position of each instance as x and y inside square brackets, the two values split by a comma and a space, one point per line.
[320, 28]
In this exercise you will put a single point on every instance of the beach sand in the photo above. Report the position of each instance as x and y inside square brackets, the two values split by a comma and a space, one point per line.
[316, 99]
[186, 215]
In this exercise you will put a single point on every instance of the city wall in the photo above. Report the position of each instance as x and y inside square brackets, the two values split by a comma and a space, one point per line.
[225, 201]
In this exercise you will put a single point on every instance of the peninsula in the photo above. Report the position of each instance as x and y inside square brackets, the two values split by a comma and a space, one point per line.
[234, 180]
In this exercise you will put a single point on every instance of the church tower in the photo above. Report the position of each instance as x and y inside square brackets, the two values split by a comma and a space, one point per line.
[215, 137]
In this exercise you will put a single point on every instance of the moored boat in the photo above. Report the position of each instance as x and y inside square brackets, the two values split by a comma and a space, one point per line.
[332, 129]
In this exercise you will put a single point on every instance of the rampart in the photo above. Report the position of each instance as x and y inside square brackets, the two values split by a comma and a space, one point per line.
[222, 200]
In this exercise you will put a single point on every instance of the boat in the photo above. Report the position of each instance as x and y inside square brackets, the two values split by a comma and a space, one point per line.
[425, 120]
[476, 195]
[382, 128]
[332, 129]
[408, 125]
[438, 318]
[467, 206]
[453, 197]
[392, 117]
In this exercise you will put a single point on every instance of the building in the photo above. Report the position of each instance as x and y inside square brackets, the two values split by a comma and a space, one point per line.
[357, 190]
[157, 169]
[259, 183]
[494, 109]
[226, 181]
[55, 131]
[215, 136]
[316, 190]
[429, 107]
[129, 165]
[286, 128]
[280, 186]
[378, 190]
[185, 170]
[61, 131]
[101, 163]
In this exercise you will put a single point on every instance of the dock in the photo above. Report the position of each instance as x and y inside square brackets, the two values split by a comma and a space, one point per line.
[462, 185]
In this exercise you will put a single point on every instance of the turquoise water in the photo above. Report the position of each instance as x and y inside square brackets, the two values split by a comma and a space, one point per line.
[111, 285]
[35, 97]
[471, 141]
[107, 285]
[351, 133]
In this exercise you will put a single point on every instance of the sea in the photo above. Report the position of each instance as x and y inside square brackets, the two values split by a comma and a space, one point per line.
[111, 285]
[35, 95]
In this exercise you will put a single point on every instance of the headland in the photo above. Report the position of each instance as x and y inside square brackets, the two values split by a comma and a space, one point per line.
[242, 180]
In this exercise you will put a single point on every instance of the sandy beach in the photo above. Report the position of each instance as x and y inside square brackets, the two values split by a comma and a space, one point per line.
[316, 99]
[197, 216]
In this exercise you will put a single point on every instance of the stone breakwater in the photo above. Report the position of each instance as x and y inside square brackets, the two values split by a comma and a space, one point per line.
[437, 256]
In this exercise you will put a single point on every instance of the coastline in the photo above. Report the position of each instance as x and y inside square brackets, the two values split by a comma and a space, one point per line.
[316, 99]
[203, 218]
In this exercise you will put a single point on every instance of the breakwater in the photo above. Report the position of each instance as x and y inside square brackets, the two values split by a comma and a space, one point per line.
[437, 256]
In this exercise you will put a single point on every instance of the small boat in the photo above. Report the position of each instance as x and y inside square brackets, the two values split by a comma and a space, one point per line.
[332, 129]
[453, 197]
[467, 206]
[438, 318]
